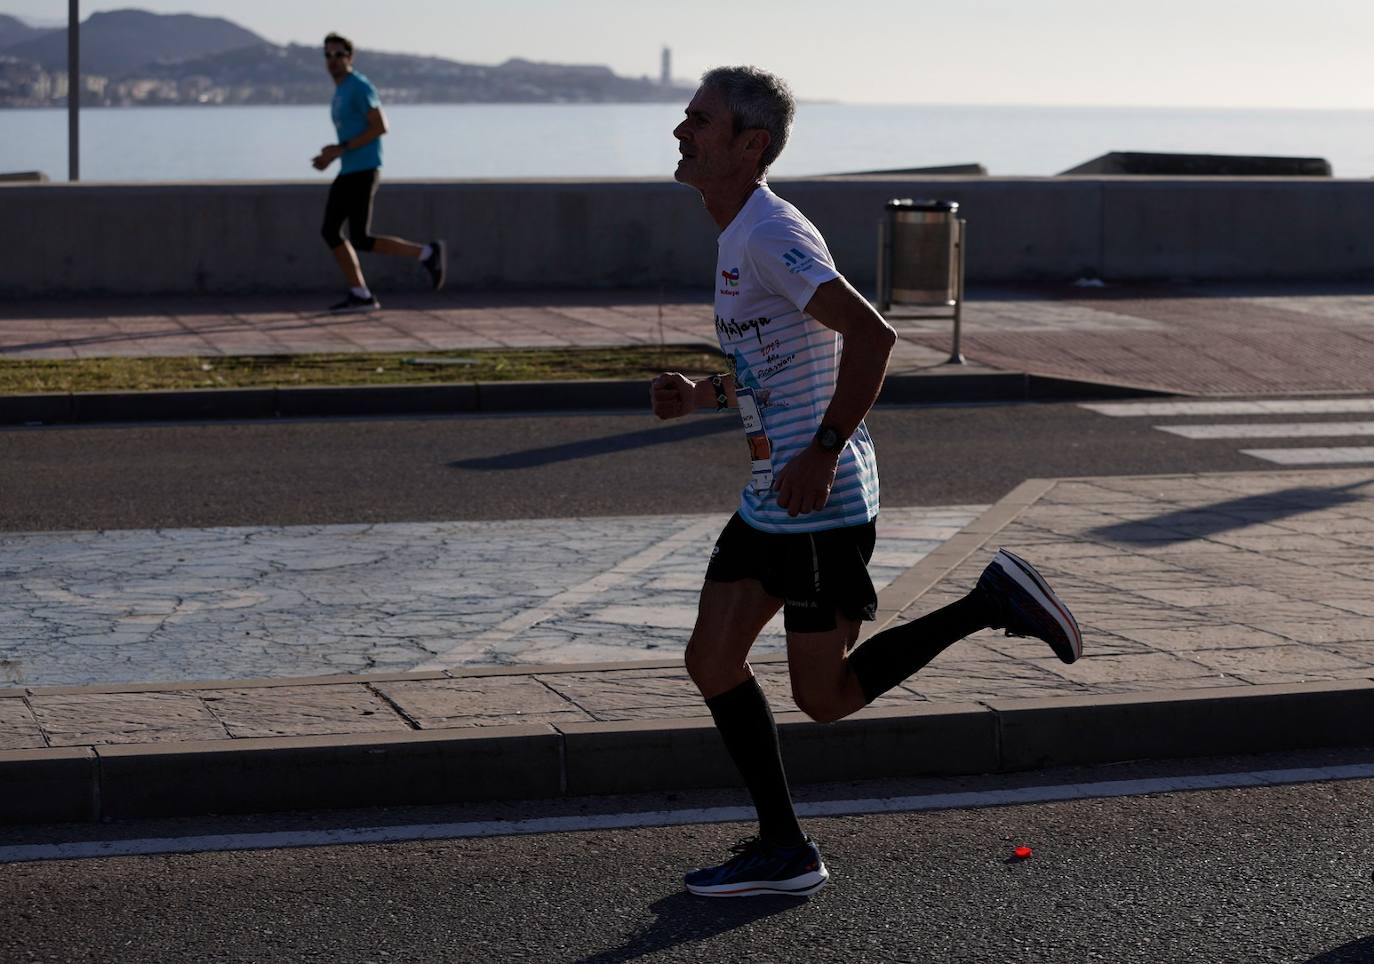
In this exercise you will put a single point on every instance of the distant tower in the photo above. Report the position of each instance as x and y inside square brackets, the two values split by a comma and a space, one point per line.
[666, 76]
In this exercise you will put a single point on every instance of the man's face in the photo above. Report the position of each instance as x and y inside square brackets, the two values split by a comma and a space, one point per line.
[712, 152]
[337, 60]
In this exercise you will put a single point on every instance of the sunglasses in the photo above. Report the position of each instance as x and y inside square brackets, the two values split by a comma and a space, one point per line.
[336, 55]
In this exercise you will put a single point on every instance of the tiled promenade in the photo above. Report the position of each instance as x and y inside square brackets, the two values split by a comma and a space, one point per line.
[1218, 584]
[1180, 582]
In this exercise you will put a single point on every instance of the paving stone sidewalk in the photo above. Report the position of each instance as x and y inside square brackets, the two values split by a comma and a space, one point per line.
[181, 605]
[1179, 582]
[1194, 339]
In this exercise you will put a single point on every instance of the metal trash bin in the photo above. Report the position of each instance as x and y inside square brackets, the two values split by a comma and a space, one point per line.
[921, 259]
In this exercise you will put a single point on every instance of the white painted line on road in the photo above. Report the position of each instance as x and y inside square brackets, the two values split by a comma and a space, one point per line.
[1287, 406]
[1320, 456]
[1021, 796]
[1271, 430]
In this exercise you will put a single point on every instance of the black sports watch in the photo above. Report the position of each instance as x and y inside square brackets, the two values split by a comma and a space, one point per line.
[828, 439]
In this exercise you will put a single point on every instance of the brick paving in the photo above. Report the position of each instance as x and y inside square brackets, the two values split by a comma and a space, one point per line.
[1183, 582]
[1179, 582]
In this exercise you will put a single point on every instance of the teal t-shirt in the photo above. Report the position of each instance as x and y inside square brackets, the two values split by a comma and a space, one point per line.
[353, 98]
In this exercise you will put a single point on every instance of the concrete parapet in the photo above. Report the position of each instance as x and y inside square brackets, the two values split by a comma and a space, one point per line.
[1203, 165]
[68, 239]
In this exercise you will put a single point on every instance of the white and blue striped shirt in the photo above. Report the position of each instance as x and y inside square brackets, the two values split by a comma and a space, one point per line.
[771, 262]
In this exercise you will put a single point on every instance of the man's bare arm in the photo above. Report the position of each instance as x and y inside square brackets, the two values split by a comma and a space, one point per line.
[804, 483]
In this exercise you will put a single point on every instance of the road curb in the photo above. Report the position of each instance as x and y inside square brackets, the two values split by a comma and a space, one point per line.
[448, 399]
[546, 761]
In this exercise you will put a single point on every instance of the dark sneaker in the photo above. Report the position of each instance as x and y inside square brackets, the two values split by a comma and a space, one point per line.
[1027, 605]
[758, 869]
[353, 303]
[437, 263]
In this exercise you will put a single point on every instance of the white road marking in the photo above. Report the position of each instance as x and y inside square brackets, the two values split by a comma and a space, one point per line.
[1317, 456]
[1286, 406]
[84, 850]
[1271, 430]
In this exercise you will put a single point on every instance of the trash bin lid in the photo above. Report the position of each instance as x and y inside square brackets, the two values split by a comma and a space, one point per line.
[924, 204]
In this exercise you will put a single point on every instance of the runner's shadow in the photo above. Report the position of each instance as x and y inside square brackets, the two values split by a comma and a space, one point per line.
[609, 445]
[683, 919]
[1199, 522]
[1356, 952]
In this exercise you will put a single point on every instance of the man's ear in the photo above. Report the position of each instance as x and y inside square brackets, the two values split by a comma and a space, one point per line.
[758, 141]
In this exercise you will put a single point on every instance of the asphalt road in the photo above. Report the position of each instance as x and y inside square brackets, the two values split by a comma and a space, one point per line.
[1269, 874]
[540, 466]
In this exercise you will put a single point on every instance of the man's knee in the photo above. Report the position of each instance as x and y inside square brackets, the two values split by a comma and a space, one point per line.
[365, 243]
[331, 236]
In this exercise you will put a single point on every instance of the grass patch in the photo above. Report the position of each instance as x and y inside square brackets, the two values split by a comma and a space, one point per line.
[270, 371]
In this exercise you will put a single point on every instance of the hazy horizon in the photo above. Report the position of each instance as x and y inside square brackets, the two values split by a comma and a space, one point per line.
[1202, 54]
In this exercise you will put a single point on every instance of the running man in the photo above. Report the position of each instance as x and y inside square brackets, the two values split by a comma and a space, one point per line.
[358, 119]
[807, 355]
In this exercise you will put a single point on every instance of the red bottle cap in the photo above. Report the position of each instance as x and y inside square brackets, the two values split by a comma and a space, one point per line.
[1023, 852]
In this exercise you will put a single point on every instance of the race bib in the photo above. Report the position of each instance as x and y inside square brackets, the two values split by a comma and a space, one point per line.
[760, 451]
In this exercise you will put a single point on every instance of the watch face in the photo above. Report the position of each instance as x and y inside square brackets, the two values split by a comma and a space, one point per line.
[828, 439]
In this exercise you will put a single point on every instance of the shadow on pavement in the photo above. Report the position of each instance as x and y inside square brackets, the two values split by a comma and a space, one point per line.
[586, 448]
[1356, 952]
[682, 918]
[1199, 522]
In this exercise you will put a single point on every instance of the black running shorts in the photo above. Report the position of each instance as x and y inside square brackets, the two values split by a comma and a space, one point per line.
[815, 574]
[350, 199]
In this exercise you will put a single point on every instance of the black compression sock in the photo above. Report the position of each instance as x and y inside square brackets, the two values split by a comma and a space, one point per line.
[751, 736]
[895, 654]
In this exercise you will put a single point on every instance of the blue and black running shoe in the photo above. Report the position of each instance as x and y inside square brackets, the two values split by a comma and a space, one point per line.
[758, 869]
[1027, 606]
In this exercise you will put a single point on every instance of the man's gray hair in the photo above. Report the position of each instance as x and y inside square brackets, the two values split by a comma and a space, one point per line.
[757, 99]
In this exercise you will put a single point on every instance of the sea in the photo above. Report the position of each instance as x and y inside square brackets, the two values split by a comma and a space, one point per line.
[635, 140]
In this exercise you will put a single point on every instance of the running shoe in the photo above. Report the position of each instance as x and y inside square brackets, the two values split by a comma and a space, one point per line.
[354, 304]
[437, 263]
[1027, 606]
[758, 869]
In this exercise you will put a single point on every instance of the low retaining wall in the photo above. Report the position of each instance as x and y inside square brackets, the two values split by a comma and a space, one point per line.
[77, 239]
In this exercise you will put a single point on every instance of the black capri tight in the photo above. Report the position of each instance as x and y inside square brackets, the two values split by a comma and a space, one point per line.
[350, 199]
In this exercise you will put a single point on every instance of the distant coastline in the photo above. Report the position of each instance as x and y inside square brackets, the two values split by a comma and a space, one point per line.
[185, 60]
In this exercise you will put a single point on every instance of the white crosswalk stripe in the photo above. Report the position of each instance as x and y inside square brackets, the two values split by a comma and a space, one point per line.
[1272, 430]
[1262, 429]
[1316, 456]
[1277, 406]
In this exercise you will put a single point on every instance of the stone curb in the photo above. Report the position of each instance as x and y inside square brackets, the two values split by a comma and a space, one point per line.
[553, 760]
[245, 403]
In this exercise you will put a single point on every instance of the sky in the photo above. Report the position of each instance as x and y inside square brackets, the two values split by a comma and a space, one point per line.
[1167, 53]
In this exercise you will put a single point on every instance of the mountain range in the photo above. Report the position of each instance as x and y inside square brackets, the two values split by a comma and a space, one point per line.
[137, 57]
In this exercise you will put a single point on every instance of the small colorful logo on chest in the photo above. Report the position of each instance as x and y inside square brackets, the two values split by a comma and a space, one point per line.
[731, 277]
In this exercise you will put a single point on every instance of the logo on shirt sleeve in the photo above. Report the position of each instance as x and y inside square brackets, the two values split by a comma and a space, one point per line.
[798, 261]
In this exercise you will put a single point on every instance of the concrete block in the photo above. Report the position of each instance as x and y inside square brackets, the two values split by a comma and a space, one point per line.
[1080, 730]
[165, 405]
[47, 786]
[1237, 229]
[954, 387]
[261, 775]
[25, 409]
[376, 400]
[939, 738]
[633, 756]
[591, 393]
